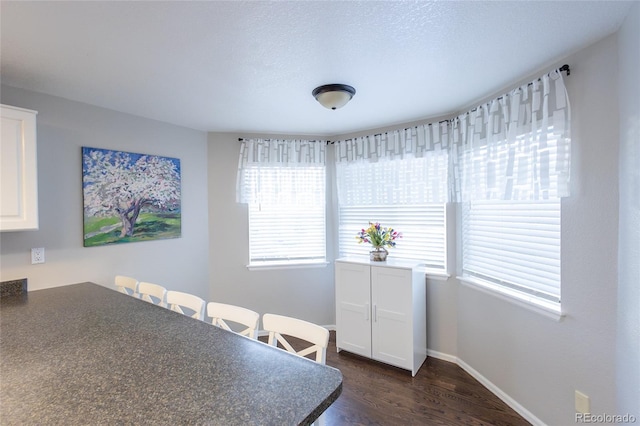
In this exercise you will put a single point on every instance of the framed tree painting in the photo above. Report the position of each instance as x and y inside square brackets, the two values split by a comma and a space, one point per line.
[129, 197]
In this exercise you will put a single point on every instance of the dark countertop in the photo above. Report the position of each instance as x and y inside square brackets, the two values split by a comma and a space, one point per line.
[86, 354]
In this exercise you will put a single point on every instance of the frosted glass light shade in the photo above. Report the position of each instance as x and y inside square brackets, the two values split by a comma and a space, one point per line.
[333, 96]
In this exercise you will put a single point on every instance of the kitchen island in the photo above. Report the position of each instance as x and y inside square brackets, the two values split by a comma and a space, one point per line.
[86, 354]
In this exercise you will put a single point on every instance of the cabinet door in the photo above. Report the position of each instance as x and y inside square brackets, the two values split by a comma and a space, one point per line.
[18, 170]
[391, 298]
[353, 308]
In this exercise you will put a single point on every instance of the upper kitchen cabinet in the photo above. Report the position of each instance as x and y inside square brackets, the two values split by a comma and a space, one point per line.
[18, 170]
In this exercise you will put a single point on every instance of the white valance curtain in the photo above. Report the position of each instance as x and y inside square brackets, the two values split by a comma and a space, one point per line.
[274, 171]
[398, 167]
[516, 147]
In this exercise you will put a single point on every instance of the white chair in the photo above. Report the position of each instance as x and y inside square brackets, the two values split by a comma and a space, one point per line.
[277, 325]
[152, 293]
[127, 285]
[178, 300]
[221, 312]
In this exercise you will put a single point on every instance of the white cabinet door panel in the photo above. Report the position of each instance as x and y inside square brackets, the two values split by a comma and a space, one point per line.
[353, 313]
[391, 295]
[18, 170]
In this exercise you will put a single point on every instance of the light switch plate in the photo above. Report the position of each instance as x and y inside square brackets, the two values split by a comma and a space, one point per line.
[583, 404]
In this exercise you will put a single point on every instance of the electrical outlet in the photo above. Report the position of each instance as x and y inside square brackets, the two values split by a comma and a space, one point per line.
[583, 404]
[37, 255]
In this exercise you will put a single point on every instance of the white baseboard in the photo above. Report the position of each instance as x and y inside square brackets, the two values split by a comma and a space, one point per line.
[528, 416]
[442, 356]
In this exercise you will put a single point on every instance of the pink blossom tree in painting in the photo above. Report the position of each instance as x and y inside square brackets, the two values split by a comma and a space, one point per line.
[124, 184]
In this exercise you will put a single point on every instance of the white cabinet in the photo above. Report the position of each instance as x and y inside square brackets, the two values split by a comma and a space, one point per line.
[18, 170]
[381, 311]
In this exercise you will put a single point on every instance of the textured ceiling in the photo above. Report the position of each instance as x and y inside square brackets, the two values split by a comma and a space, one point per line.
[250, 66]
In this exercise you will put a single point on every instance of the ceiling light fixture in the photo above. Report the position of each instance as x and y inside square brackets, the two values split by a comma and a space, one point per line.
[333, 96]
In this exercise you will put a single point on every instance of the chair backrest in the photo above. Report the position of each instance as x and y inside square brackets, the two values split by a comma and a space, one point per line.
[152, 293]
[278, 325]
[221, 312]
[178, 300]
[127, 285]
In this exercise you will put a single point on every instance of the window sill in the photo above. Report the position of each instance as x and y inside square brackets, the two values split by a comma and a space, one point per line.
[436, 275]
[285, 265]
[549, 309]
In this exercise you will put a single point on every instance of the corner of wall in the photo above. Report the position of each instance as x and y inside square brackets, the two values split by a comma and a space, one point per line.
[628, 321]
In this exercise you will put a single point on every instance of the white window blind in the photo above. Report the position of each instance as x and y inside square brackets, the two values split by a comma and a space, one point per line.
[286, 233]
[514, 244]
[292, 230]
[422, 226]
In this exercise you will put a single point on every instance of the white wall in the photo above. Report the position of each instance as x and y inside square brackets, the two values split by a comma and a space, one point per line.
[63, 128]
[628, 348]
[535, 360]
[305, 293]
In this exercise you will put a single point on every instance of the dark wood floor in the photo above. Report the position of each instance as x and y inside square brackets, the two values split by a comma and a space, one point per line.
[440, 394]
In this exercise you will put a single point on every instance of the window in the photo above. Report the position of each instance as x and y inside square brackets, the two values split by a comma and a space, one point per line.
[397, 194]
[283, 182]
[514, 167]
[289, 232]
[423, 228]
[514, 245]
